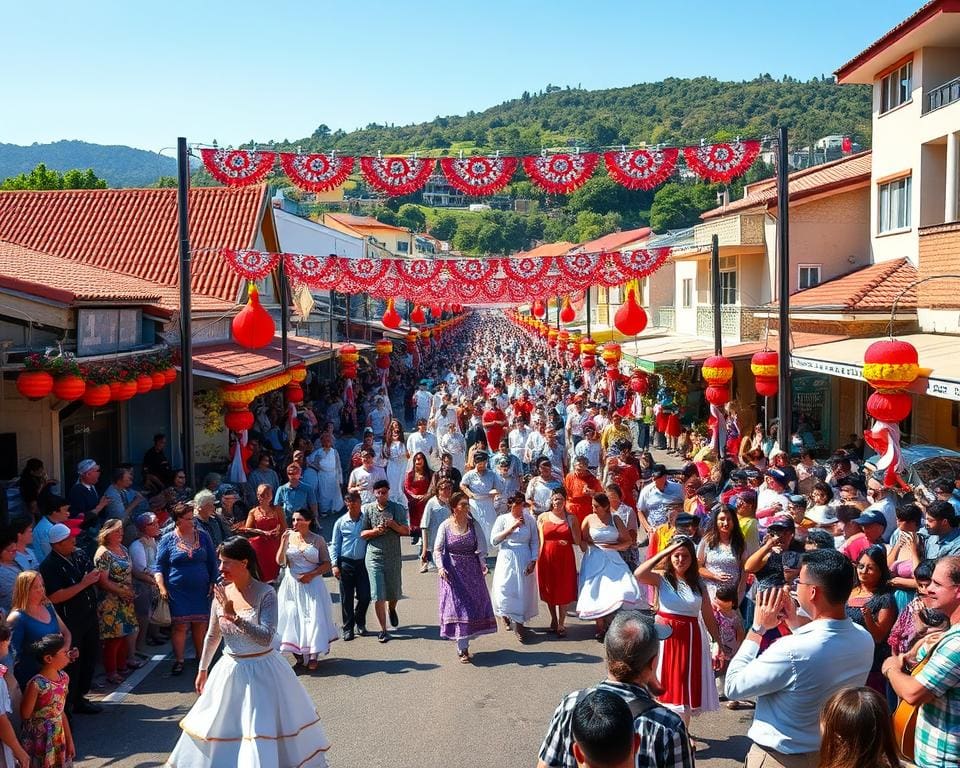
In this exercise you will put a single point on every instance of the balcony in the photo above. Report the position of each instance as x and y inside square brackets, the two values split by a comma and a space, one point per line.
[737, 323]
[666, 317]
[943, 95]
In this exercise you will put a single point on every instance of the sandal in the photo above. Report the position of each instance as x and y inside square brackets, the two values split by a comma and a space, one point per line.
[465, 657]
[133, 664]
[177, 668]
[561, 631]
[312, 666]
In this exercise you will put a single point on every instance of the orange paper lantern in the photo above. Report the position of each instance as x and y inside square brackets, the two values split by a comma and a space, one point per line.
[765, 366]
[69, 387]
[144, 383]
[96, 395]
[34, 385]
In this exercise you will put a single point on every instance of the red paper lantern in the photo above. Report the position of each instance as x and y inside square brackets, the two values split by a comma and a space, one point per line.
[567, 314]
[34, 385]
[170, 374]
[890, 364]
[96, 395]
[539, 309]
[436, 311]
[588, 362]
[348, 365]
[718, 395]
[294, 393]
[563, 339]
[411, 341]
[122, 390]
[765, 366]
[348, 370]
[717, 371]
[630, 319]
[639, 382]
[391, 318]
[159, 379]
[69, 387]
[611, 353]
[238, 421]
[612, 373]
[253, 327]
[892, 407]
[417, 316]
[552, 337]
[144, 383]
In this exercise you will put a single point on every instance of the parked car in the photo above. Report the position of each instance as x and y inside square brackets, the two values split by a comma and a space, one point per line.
[924, 464]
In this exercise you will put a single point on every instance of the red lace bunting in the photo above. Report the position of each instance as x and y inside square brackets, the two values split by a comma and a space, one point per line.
[251, 265]
[237, 167]
[472, 270]
[721, 162]
[419, 272]
[560, 174]
[365, 271]
[478, 175]
[580, 266]
[316, 173]
[315, 271]
[640, 263]
[524, 269]
[397, 175]
[641, 168]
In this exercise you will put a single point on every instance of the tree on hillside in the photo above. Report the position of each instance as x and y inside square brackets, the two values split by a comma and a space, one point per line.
[385, 216]
[411, 217]
[676, 206]
[42, 177]
[444, 227]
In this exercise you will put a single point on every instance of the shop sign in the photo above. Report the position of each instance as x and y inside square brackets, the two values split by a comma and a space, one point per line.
[844, 370]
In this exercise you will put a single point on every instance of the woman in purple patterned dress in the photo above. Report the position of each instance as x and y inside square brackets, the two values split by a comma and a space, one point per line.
[460, 554]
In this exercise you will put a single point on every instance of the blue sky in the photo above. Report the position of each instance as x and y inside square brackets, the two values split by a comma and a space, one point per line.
[142, 73]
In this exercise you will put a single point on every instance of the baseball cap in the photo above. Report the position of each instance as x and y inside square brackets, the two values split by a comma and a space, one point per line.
[58, 533]
[821, 514]
[481, 456]
[86, 465]
[782, 522]
[709, 493]
[738, 475]
[687, 519]
[658, 470]
[871, 518]
[748, 497]
[502, 461]
[797, 499]
[368, 431]
[778, 474]
[752, 473]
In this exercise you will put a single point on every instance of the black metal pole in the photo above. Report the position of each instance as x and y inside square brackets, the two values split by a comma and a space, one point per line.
[284, 314]
[347, 320]
[785, 396]
[715, 290]
[330, 333]
[558, 313]
[186, 329]
[588, 311]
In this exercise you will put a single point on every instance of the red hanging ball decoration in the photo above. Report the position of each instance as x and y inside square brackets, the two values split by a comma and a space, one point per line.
[238, 421]
[158, 379]
[717, 371]
[144, 383]
[639, 382]
[765, 366]
[718, 395]
[69, 387]
[417, 316]
[892, 407]
[891, 364]
[539, 309]
[436, 311]
[253, 327]
[96, 395]
[294, 392]
[34, 385]
[630, 319]
[567, 314]
[391, 318]
[122, 390]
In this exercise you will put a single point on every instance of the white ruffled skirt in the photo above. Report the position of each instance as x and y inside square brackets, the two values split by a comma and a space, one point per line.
[606, 585]
[305, 625]
[253, 712]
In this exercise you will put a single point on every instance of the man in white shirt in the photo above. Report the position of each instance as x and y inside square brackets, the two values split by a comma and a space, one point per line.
[799, 672]
[362, 478]
[884, 501]
[655, 497]
[517, 440]
[771, 497]
[425, 442]
[422, 401]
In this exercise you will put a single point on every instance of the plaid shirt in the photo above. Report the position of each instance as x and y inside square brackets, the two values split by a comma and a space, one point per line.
[938, 722]
[663, 736]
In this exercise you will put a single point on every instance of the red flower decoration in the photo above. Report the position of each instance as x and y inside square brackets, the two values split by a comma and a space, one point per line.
[315, 271]
[721, 162]
[478, 175]
[641, 262]
[523, 269]
[237, 167]
[641, 168]
[580, 266]
[253, 265]
[397, 175]
[365, 272]
[316, 173]
[473, 270]
[418, 272]
[560, 174]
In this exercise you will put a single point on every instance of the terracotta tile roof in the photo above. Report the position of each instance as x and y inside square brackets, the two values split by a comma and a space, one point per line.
[871, 289]
[133, 232]
[231, 362]
[838, 174]
[615, 240]
[548, 249]
[362, 222]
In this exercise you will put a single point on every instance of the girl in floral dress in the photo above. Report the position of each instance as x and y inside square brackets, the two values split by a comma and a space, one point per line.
[46, 732]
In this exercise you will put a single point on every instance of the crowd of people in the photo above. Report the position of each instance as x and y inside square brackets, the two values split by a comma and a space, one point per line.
[797, 585]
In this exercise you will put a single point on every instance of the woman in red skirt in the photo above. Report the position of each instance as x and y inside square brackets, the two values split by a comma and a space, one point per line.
[557, 566]
[685, 669]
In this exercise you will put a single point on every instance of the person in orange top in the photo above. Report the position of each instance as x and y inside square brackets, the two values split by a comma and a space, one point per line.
[581, 485]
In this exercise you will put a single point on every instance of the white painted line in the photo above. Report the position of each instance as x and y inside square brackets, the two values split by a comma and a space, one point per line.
[126, 687]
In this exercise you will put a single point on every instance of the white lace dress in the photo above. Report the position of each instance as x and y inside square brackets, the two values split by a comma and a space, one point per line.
[306, 626]
[606, 583]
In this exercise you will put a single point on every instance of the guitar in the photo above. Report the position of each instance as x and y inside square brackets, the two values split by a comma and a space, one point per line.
[905, 717]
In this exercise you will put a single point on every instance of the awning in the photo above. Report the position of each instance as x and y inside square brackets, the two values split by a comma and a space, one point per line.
[236, 365]
[939, 357]
[648, 353]
[797, 339]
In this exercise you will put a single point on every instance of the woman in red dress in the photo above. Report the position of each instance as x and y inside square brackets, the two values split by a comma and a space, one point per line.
[265, 525]
[557, 567]
[416, 486]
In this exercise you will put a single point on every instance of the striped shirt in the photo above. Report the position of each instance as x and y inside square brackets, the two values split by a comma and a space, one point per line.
[663, 737]
[938, 722]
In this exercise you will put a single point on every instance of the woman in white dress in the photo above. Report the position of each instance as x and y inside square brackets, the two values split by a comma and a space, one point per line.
[606, 584]
[452, 442]
[722, 552]
[306, 627]
[252, 708]
[684, 668]
[480, 486]
[326, 461]
[514, 593]
[395, 454]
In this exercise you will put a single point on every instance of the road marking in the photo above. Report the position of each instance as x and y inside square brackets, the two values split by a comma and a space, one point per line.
[126, 687]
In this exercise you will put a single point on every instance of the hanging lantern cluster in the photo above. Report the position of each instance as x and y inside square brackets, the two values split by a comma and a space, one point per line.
[348, 361]
[575, 346]
[552, 335]
[630, 319]
[611, 355]
[567, 313]
[639, 382]
[765, 366]
[411, 341]
[890, 367]
[563, 340]
[588, 351]
[253, 327]
[717, 372]
[391, 318]
[384, 349]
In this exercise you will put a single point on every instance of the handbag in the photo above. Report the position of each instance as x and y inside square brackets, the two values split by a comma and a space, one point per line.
[905, 718]
[160, 615]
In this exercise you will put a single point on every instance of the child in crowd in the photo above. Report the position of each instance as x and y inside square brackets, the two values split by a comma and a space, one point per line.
[10, 749]
[857, 731]
[46, 732]
[730, 624]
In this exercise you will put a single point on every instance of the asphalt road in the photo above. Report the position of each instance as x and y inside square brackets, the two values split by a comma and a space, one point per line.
[408, 702]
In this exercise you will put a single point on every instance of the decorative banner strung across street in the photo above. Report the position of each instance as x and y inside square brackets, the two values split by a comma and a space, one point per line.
[481, 175]
[459, 281]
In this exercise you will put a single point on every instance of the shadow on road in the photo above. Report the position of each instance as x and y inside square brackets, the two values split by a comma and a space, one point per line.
[364, 667]
[730, 748]
[98, 739]
[505, 656]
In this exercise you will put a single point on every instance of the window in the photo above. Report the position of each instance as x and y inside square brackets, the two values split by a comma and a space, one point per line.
[728, 279]
[896, 88]
[809, 276]
[894, 205]
[687, 292]
[403, 246]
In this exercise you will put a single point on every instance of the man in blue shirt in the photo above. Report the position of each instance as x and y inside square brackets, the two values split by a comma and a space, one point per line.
[294, 495]
[347, 551]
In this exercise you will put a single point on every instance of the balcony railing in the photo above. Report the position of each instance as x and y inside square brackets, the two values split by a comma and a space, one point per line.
[943, 95]
[666, 317]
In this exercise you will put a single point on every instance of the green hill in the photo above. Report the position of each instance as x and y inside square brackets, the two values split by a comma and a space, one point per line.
[120, 166]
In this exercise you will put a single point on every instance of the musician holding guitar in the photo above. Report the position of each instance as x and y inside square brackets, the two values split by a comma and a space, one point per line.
[931, 693]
